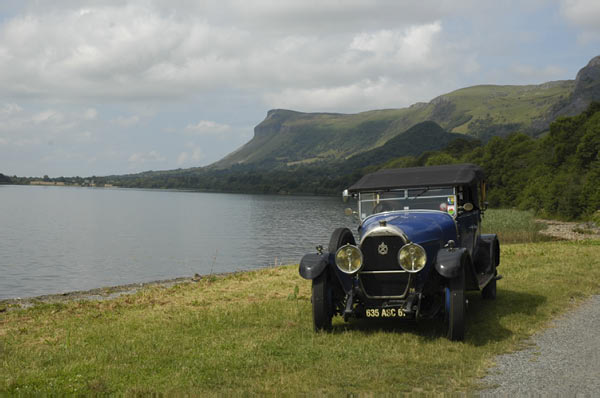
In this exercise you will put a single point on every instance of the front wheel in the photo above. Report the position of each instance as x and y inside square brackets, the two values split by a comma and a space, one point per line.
[322, 303]
[455, 308]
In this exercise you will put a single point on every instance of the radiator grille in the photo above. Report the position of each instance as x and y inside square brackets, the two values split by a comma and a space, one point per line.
[374, 261]
[383, 284]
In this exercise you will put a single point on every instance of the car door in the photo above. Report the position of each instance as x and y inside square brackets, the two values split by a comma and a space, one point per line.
[468, 229]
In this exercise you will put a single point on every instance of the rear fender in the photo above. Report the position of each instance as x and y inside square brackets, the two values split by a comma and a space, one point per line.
[488, 253]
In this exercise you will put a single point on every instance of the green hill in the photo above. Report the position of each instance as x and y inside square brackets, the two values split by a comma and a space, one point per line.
[422, 137]
[289, 137]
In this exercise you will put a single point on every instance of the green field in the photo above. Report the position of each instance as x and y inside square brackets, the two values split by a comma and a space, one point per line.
[252, 333]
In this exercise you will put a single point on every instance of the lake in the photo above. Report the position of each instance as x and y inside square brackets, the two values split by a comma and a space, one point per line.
[60, 239]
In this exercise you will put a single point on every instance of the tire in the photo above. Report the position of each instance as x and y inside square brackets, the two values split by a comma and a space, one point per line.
[455, 308]
[489, 291]
[339, 238]
[322, 288]
[321, 303]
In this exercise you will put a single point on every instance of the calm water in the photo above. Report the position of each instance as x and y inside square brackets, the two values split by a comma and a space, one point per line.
[59, 239]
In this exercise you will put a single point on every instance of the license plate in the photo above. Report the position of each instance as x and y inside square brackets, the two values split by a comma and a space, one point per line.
[385, 313]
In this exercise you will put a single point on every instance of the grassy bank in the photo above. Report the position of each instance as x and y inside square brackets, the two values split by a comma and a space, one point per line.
[252, 332]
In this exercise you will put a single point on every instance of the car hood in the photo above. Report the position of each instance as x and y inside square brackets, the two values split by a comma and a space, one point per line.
[418, 226]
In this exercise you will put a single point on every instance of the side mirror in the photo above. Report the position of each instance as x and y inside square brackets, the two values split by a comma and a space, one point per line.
[468, 206]
[345, 195]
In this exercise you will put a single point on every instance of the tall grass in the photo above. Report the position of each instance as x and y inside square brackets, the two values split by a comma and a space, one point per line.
[513, 226]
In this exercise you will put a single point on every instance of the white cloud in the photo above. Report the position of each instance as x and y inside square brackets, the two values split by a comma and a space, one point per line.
[148, 157]
[207, 127]
[48, 116]
[144, 50]
[376, 94]
[410, 47]
[90, 114]
[126, 121]
[191, 157]
[182, 158]
[585, 14]
[85, 136]
[10, 109]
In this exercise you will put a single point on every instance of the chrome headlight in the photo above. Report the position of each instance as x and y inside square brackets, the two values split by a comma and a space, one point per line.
[349, 259]
[412, 257]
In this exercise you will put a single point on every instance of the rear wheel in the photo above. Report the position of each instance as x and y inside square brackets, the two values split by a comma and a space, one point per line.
[321, 302]
[455, 308]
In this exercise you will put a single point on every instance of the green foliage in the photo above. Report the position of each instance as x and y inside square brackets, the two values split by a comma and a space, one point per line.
[557, 175]
[4, 179]
[440, 158]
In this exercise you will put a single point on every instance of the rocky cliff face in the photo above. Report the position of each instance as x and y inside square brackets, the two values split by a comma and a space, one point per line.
[587, 89]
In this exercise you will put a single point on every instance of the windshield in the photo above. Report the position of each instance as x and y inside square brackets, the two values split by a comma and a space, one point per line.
[441, 199]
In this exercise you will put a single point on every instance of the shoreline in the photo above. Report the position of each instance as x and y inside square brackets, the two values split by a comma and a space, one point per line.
[100, 293]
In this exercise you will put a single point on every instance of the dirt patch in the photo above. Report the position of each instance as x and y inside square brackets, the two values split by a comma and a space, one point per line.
[567, 230]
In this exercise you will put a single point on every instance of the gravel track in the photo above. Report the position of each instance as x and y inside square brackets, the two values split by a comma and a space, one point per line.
[563, 360]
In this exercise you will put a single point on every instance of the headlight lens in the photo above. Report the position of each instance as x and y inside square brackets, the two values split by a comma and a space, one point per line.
[349, 259]
[412, 257]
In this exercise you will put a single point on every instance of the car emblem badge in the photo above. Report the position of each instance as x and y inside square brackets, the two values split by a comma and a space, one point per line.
[382, 249]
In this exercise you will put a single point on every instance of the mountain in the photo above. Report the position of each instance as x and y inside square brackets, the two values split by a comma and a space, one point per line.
[288, 137]
[422, 137]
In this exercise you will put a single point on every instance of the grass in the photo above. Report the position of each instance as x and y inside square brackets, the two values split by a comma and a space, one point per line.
[513, 226]
[252, 333]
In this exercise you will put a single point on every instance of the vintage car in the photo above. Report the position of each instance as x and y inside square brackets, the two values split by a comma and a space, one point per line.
[419, 249]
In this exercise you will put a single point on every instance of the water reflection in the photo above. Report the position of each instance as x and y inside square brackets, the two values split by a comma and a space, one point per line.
[57, 239]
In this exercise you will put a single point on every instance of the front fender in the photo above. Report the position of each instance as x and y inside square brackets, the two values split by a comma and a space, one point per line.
[449, 261]
[312, 265]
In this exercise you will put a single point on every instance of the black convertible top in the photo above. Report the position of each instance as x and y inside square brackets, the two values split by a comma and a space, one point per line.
[412, 177]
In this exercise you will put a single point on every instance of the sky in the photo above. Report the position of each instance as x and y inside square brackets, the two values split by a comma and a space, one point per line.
[114, 87]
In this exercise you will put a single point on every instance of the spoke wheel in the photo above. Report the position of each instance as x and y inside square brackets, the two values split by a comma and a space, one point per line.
[455, 308]
[321, 303]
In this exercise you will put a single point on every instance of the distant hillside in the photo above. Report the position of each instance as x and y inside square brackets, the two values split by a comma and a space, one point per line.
[4, 179]
[289, 137]
[422, 137]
